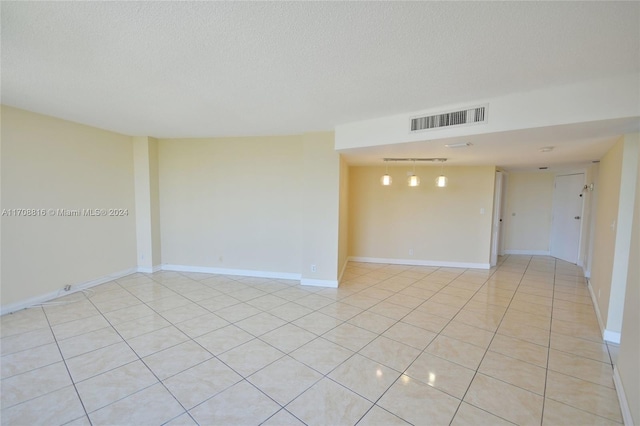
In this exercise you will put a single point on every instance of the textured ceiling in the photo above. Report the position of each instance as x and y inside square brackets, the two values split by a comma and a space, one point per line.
[196, 69]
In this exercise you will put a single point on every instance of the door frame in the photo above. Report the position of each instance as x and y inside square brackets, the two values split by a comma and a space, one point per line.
[496, 220]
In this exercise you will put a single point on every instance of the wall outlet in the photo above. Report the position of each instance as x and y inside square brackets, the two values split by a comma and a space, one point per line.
[313, 268]
[221, 259]
[410, 252]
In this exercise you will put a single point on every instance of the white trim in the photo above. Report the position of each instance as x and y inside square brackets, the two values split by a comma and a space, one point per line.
[596, 308]
[607, 335]
[622, 398]
[12, 307]
[417, 262]
[529, 252]
[319, 283]
[223, 271]
[611, 336]
[145, 270]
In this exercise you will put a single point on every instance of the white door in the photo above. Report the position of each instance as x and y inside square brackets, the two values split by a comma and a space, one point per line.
[567, 217]
[497, 219]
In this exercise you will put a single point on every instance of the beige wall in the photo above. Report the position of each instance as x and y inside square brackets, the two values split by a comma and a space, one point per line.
[154, 197]
[527, 220]
[437, 224]
[608, 196]
[232, 202]
[320, 209]
[145, 156]
[50, 163]
[624, 223]
[628, 366]
[343, 230]
[265, 204]
[589, 222]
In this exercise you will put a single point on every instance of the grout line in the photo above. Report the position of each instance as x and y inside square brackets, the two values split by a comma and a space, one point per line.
[489, 345]
[67, 368]
[546, 375]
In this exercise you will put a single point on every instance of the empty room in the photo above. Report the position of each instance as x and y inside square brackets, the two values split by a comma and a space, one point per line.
[320, 213]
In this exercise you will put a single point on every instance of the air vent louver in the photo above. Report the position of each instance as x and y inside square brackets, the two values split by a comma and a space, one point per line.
[448, 119]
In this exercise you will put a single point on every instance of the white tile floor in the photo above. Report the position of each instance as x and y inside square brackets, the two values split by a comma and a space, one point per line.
[393, 345]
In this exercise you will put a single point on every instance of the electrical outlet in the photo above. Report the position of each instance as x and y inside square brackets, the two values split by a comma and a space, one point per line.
[410, 252]
[313, 268]
[221, 259]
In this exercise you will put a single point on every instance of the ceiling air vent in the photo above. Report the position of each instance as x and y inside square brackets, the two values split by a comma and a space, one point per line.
[463, 117]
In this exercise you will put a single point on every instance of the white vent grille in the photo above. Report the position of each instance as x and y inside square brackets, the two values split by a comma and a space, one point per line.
[463, 117]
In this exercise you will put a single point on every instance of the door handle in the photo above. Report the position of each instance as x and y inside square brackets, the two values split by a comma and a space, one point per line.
[577, 217]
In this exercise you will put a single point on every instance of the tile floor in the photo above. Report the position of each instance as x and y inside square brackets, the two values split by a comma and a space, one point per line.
[518, 344]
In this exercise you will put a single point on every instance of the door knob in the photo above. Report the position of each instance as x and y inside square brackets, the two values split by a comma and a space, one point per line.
[577, 217]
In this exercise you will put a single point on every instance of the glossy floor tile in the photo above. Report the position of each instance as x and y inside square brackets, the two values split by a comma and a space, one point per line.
[394, 345]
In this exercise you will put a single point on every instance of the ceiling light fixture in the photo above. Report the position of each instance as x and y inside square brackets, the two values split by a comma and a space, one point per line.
[546, 149]
[386, 180]
[413, 180]
[459, 145]
[441, 181]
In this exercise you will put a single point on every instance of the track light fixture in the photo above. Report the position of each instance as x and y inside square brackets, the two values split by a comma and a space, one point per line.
[441, 181]
[413, 180]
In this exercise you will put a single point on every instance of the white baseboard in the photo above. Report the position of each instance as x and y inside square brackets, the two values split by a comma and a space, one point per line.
[319, 283]
[23, 304]
[607, 335]
[611, 336]
[622, 398]
[12, 307]
[223, 271]
[146, 270]
[596, 308]
[344, 268]
[529, 252]
[417, 262]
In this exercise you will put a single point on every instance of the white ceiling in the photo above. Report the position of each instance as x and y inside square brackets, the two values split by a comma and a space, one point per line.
[204, 69]
[573, 146]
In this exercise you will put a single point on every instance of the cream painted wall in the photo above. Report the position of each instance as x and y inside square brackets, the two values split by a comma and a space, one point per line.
[589, 220]
[232, 203]
[320, 209]
[438, 224]
[48, 163]
[624, 224]
[608, 196]
[628, 366]
[527, 220]
[343, 230]
[145, 155]
[154, 196]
